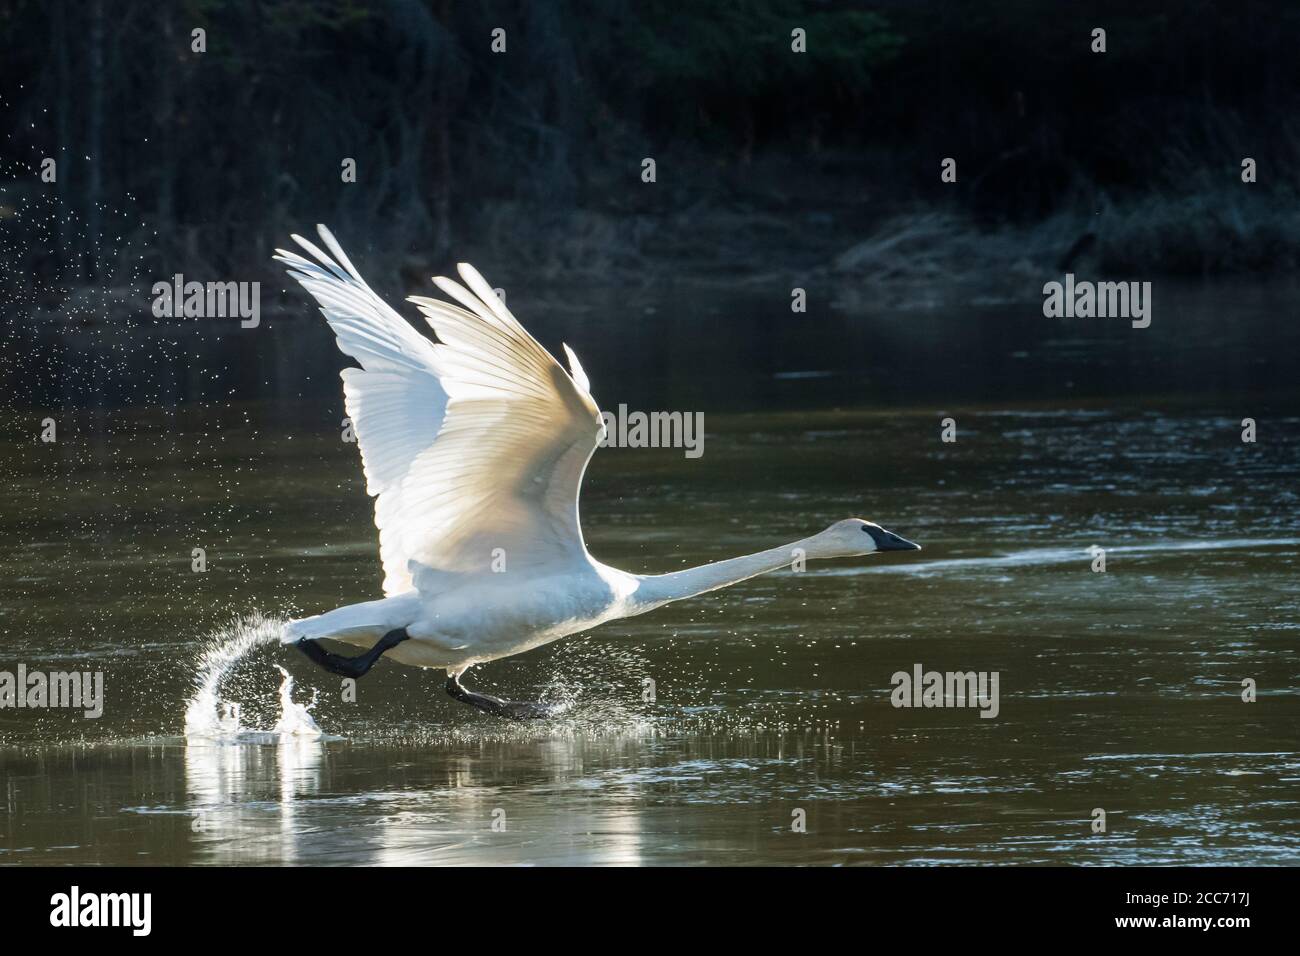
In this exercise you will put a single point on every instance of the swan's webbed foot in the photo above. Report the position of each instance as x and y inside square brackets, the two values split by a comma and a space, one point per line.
[351, 666]
[512, 709]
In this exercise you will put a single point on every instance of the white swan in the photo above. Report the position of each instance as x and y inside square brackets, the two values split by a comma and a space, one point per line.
[474, 449]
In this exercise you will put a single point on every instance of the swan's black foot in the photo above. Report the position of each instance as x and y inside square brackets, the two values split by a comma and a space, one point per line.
[351, 666]
[513, 709]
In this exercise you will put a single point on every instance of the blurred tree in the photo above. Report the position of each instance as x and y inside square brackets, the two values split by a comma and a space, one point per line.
[718, 71]
[211, 158]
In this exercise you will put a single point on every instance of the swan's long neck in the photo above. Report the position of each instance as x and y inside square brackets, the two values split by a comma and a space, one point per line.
[655, 590]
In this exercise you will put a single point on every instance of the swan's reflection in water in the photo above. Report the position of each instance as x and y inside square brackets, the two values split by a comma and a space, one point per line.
[896, 793]
[494, 802]
[243, 795]
[775, 699]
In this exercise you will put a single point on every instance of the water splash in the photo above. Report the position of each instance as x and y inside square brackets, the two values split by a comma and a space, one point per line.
[208, 717]
[295, 721]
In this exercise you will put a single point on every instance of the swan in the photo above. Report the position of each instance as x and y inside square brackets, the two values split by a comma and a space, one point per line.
[474, 449]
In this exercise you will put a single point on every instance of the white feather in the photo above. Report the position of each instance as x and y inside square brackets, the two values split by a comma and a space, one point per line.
[474, 448]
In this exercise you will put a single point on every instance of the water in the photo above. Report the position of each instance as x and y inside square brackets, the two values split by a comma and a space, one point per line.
[1119, 690]
[210, 717]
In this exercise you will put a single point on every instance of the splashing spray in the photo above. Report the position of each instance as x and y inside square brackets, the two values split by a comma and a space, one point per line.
[207, 716]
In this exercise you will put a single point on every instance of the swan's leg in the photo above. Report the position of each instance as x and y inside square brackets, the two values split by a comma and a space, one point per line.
[351, 666]
[514, 709]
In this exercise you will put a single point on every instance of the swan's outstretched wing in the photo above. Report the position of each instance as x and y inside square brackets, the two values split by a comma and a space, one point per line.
[471, 445]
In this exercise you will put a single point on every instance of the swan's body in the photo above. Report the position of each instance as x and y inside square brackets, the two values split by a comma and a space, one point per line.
[474, 449]
[484, 618]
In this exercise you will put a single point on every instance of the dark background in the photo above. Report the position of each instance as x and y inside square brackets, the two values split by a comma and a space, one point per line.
[774, 170]
[535, 153]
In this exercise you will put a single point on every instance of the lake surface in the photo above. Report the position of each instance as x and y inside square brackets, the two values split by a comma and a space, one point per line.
[771, 702]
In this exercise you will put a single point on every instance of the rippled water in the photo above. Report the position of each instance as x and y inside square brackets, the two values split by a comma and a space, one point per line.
[1119, 691]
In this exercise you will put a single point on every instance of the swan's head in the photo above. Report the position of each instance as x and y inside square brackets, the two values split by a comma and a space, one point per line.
[853, 536]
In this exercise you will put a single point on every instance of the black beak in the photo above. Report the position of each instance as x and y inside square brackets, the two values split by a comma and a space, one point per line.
[888, 541]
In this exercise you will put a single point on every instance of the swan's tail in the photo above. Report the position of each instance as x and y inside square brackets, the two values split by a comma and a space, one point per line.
[360, 624]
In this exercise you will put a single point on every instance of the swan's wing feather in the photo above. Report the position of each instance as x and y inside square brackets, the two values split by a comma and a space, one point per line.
[575, 369]
[470, 445]
[394, 401]
[367, 329]
[509, 459]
